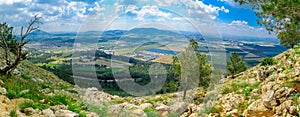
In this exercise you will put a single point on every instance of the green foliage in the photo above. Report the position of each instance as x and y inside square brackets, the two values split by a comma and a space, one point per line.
[203, 66]
[279, 16]
[267, 61]
[214, 110]
[151, 113]
[239, 87]
[236, 64]
[34, 105]
[13, 113]
[26, 76]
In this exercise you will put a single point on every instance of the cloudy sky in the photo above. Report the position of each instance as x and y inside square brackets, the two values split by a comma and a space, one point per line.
[213, 16]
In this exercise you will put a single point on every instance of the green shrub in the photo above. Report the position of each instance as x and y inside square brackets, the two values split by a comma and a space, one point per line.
[151, 113]
[267, 61]
[214, 110]
[13, 113]
[58, 99]
[26, 76]
[33, 105]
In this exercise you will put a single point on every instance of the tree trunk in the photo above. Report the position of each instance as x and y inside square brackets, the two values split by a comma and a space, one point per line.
[184, 94]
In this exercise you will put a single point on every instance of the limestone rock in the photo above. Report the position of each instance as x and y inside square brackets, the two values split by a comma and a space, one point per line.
[139, 113]
[231, 100]
[145, 105]
[59, 107]
[65, 113]
[48, 112]
[267, 87]
[31, 111]
[162, 110]
[269, 100]
[179, 107]
[194, 115]
[287, 107]
[283, 93]
[233, 113]
[3, 91]
[257, 109]
[91, 114]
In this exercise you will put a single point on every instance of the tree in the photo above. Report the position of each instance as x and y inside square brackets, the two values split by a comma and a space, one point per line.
[235, 65]
[279, 16]
[13, 46]
[189, 70]
[187, 62]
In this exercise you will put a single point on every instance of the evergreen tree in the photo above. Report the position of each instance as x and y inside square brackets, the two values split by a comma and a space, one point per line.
[281, 17]
[235, 65]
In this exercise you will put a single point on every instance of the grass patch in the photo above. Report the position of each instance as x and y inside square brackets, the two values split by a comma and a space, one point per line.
[13, 113]
[239, 87]
[26, 76]
[151, 113]
[33, 105]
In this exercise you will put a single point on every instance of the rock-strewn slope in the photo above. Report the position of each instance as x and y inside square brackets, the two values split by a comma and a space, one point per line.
[271, 90]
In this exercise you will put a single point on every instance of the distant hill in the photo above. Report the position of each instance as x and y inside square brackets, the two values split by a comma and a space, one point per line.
[152, 31]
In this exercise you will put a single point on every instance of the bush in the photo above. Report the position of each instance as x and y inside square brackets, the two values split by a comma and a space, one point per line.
[267, 61]
[26, 76]
[33, 105]
[151, 113]
[13, 113]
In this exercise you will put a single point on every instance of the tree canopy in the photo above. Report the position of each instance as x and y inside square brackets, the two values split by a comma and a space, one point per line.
[281, 17]
[235, 65]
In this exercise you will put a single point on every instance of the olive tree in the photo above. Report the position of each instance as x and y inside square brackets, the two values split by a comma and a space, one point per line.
[13, 46]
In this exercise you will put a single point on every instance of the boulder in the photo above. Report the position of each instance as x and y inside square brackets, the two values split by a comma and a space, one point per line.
[31, 111]
[283, 93]
[3, 91]
[194, 115]
[139, 113]
[267, 87]
[48, 112]
[233, 113]
[145, 106]
[231, 100]
[162, 110]
[65, 113]
[257, 109]
[178, 107]
[16, 72]
[58, 107]
[91, 114]
[286, 108]
[269, 100]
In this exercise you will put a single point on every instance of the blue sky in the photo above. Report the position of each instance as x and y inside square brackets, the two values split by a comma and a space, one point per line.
[210, 16]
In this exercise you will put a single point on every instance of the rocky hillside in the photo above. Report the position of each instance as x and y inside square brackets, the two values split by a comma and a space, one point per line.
[272, 89]
[34, 92]
[264, 90]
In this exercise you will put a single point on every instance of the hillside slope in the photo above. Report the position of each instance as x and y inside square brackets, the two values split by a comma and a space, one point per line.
[270, 90]
[32, 91]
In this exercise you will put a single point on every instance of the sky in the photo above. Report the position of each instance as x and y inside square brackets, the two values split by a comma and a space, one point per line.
[207, 16]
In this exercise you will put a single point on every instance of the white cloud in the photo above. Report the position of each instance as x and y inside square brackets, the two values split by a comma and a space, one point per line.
[241, 28]
[236, 4]
[151, 12]
[199, 9]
